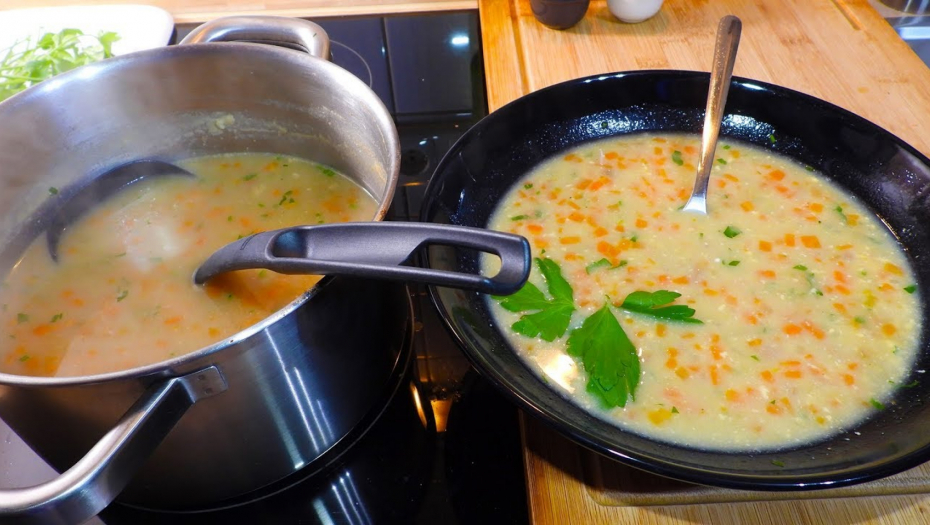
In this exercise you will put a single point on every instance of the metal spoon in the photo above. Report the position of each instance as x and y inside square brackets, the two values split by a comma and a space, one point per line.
[100, 189]
[728, 32]
[374, 249]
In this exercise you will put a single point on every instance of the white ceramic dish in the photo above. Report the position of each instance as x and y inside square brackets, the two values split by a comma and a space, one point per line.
[138, 26]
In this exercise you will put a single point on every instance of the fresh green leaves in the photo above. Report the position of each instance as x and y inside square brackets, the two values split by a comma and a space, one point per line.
[731, 232]
[676, 158]
[550, 321]
[27, 63]
[608, 356]
[603, 263]
[658, 305]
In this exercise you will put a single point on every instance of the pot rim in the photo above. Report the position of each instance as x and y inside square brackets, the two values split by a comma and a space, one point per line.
[89, 73]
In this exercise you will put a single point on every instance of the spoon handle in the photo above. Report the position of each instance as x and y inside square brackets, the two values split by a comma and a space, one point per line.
[728, 33]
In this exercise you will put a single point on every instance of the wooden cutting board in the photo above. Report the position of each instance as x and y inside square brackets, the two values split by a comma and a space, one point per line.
[842, 51]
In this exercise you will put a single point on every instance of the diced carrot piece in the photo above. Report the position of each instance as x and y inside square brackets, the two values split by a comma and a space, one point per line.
[791, 329]
[600, 232]
[842, 289]
[731, 395]
[660, 330]
[765, 246]
[815, 207]
[681, 280]
[611, 155]
[789, 239]
[768, 274]
[640, 223]
[893, 269]
[682, 372]
[793, 374]
[534, 228]
[754, 342]
[599, 183]
[583, 184]
[577, 217]
[889, 329]
[776, 175]
[42, 329]
[659, 415]
[849, 379]
[852, 219]
[810, 241]
[767, 376]
[714, 378]
[571, 239]
[817, 332]
[774, 409]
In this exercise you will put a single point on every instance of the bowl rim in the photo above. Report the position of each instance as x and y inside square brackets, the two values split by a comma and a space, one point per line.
[790, 480]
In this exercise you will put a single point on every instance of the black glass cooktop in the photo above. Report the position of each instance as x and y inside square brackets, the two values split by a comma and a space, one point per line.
[446, 448]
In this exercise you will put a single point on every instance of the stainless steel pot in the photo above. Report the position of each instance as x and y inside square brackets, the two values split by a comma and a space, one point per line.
[245, 412]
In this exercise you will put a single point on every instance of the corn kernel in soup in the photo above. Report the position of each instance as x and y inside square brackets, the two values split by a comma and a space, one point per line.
[122, 292]
[808, 313]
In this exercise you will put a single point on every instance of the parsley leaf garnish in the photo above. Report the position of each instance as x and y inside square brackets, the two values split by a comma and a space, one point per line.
[676, 158]
[608, 356]
[603, 263]
[911, 288]
[731, 232]
[839, 209]
[654, 304]
[553, 315]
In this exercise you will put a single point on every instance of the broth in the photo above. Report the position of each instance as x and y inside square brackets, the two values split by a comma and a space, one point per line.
[809, 308]
[122, 293]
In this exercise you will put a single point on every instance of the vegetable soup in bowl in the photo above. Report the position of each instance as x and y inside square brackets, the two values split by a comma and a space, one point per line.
[785, 315]
[777, 343]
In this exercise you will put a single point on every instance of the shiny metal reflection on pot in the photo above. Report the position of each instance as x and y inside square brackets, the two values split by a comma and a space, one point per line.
[245, 412]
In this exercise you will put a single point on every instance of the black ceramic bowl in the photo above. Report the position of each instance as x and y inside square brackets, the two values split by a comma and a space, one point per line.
[889, 176]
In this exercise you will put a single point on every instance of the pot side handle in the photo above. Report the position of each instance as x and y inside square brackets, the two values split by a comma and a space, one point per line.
[293, 33]
[96, 479]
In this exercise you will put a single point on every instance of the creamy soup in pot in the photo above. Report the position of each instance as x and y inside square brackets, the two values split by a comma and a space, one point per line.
[786, 315]
[122, 295]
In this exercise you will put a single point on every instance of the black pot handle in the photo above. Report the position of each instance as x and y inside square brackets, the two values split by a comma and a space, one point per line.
[376, 250]
[293, 33]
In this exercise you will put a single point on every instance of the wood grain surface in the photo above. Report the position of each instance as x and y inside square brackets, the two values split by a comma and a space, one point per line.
[842, 51]
[192, 11]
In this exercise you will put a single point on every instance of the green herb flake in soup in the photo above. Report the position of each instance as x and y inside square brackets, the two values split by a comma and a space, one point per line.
[785, 315]
[127, 298]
